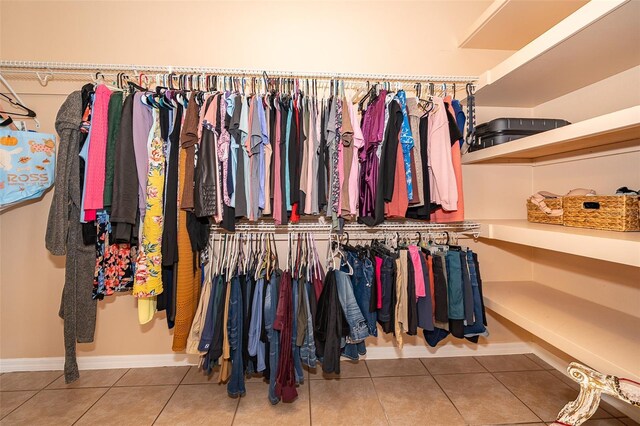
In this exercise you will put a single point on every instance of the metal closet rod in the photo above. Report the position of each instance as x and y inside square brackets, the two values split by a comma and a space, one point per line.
[52, 67]
[460, 227]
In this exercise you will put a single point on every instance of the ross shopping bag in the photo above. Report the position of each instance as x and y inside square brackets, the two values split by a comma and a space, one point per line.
[27, 165]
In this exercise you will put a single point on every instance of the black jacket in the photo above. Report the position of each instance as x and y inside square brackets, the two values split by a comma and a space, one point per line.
[330, 325]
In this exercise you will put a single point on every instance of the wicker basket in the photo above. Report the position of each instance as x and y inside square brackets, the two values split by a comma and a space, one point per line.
[534, 214]
[608, 212]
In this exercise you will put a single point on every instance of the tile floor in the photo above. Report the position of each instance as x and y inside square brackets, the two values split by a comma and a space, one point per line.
[507, 390]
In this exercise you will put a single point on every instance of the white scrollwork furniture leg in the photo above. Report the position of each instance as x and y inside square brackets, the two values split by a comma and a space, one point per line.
[592, 385]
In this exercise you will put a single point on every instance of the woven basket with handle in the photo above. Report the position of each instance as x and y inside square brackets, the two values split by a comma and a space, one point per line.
[607, 212]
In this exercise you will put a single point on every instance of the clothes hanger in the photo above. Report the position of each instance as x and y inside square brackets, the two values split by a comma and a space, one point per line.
[29, 112]
[218, 252]
[274, 252]
[17, 102]
[303, 256]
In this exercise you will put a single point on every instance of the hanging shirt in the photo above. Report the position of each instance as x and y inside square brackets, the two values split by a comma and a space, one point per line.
[457, 215]
[406, 140]
[358, 144]
[414, 114]
[442, 177]
[287, 173]
[261, 153]
[234, 107]
[95, 174]
[244, 135]
[268, 154]
[277, 191]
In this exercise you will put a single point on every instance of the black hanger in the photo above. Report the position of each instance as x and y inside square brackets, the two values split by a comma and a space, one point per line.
[29, 112]
[366, 96]
[451, 247]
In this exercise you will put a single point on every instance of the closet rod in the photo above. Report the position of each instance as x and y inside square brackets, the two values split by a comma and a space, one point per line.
[52, 67]
[472, 228]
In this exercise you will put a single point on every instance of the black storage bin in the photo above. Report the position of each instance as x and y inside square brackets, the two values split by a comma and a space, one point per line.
[502, 130]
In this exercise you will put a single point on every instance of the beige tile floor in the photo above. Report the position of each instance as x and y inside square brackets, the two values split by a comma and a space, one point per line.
[506, 390]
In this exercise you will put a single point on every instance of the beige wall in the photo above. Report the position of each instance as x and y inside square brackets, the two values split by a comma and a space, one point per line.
[367, 37]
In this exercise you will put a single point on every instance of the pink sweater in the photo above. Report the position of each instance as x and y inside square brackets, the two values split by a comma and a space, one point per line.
[442, 176]
[94, 192]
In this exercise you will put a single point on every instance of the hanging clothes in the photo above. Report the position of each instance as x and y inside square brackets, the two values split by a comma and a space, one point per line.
[153, 169]
[64, 236]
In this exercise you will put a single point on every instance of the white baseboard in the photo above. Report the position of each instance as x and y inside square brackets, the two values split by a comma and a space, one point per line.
[98, 362]
[168, 360]
[448, 350]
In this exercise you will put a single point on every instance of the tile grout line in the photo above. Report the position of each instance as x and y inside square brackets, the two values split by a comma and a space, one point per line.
[235, 411]
[121, 377]
[611, 416]
[31, 397]
[101, 396]
[169, 399]
[516, 396]
[386, 416]
[96, 401]
[450, 400]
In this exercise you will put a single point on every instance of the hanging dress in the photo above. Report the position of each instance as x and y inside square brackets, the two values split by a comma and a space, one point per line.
[148, 281]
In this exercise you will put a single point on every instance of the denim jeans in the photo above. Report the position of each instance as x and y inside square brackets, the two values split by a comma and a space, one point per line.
[236, 386]
[297, 363]
[256, 347]
[362, 281]
[358, 329]
[477, 328]
[206, 337]
[270, 306]
[387, 274]
[308, 348]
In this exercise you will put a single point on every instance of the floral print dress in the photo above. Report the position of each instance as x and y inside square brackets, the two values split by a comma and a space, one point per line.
[114, 266]
[148, 277]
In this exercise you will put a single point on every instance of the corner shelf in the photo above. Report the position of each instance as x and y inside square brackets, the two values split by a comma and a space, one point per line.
[611, 246]
[606, 339]
[499, 28]
[605, 131]
[593, 43]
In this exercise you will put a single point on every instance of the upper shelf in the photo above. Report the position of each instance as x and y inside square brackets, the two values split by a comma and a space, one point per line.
[602, 131]
[597, 41]
[501, 25]
[611, 246]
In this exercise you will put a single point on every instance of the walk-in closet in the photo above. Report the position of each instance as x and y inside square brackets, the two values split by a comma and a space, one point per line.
[319, 212]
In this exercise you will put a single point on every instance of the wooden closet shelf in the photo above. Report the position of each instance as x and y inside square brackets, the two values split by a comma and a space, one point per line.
[593, 43]
[602, 132]
[606, 339]
[611, 246]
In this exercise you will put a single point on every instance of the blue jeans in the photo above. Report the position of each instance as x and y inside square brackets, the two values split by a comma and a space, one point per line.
[358, 328]
[236, 386]
[297, 363]
[362, 280]
[270, 306]
[206, 336]
[477, 328]
[308, 348]
[256, 347]
[387, 275]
